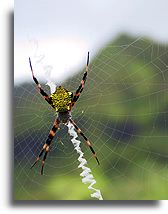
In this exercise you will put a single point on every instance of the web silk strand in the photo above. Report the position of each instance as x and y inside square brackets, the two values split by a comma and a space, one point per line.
[86, 173]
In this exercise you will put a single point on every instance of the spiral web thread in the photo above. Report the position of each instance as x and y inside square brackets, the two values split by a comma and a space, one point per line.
[131, 158]
[86, 173]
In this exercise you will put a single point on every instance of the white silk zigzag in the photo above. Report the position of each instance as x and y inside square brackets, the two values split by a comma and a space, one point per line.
[86, 173]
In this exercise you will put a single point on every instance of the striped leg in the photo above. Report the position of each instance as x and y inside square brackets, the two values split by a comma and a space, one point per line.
[81, 86]
[42, 92]
[47, 145]
[85, 138]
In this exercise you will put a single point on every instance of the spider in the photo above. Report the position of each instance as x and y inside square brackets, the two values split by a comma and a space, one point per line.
[62, 101]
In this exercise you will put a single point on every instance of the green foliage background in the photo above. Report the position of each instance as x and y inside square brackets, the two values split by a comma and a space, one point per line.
[125, 115]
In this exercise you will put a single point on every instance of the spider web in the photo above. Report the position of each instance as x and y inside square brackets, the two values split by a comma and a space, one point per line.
[122, 110]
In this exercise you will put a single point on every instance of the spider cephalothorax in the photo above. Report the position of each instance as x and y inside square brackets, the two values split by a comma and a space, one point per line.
[61, 99]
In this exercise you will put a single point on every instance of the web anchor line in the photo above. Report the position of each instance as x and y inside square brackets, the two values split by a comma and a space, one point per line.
[88, 178]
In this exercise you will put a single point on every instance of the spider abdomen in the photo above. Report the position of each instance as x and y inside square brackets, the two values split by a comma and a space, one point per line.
[61, 99]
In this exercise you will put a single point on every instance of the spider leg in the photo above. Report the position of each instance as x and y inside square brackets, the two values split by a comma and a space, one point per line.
[43, 161]
[38, 158]
[47, 144]
[85, 138]
[42, 92]
[81, 86]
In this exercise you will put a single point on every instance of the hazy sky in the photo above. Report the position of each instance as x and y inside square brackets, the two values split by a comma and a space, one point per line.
[59, 33]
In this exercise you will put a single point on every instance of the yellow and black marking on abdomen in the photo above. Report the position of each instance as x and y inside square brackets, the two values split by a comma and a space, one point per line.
[61, 99]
